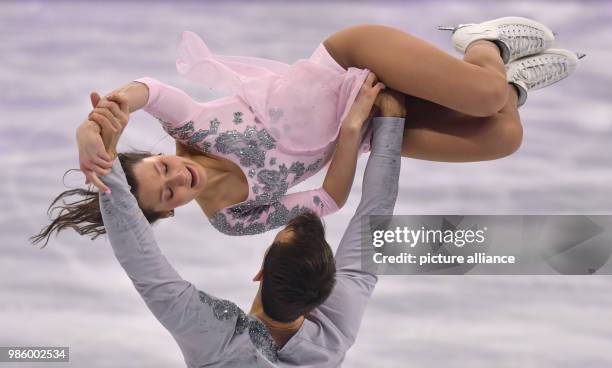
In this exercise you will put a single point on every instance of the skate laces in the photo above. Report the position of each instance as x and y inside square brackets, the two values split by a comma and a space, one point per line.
[541, 71]
[521, 39]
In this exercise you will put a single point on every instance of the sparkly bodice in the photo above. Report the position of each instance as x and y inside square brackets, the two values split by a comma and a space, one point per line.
[227, 128]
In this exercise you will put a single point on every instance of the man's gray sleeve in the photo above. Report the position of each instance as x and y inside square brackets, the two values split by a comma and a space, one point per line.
[187, 313]
[347, 303]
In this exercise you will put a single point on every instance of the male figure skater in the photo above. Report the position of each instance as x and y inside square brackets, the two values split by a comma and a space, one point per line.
[309, 306]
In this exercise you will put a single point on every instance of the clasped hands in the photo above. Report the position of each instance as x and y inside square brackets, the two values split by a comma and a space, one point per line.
[97, 137]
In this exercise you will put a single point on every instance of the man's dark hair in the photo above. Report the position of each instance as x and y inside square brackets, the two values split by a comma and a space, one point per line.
[298, 274]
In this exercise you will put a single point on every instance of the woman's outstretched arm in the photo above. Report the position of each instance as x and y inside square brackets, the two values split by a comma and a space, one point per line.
[167, 103]
[136, 94]
[110, 115]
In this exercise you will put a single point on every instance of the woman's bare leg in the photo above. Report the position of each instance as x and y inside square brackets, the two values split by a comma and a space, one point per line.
[464, 110]
[436, 133]
[474, 86]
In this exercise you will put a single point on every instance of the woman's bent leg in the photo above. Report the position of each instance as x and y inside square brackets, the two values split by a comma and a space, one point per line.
[474, 86]
[436, 133]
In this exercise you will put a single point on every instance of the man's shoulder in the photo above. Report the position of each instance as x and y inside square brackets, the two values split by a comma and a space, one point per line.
[318, 333]
[316, 344]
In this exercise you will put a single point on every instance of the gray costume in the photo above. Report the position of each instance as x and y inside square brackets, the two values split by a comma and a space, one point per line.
[212, 332]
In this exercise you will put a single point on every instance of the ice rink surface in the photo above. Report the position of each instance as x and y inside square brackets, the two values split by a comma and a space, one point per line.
[73, 293]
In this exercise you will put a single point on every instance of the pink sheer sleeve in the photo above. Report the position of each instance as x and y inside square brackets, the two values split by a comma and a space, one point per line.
[169, 104]
[250, 218]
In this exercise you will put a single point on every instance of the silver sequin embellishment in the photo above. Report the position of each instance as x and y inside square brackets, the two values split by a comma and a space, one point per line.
[237, 117]
[205, 146]
[250, 146]
[274, 181]
[314, 166]
[260, 337]
[298, 169]
[274, 184]
[214, 124]
[251, 173]
[188, 135]
[219, 222]
[282, 215]
[279, 216]
[224, 310]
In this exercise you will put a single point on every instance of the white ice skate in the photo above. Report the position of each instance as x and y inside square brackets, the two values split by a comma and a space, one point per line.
[516, 37]
[541, 70]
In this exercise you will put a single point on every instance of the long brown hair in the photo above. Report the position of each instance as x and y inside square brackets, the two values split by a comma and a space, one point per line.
[83, 214]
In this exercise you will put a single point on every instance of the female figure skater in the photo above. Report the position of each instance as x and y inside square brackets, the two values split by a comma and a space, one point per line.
[238, 155]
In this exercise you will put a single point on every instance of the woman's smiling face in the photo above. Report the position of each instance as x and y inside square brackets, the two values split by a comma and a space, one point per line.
[167, 182]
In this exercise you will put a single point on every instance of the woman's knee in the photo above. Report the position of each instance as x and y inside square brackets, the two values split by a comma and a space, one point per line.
[492, 96]
[510, 138]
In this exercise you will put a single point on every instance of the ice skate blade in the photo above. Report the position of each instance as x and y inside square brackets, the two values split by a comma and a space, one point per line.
[453, 28]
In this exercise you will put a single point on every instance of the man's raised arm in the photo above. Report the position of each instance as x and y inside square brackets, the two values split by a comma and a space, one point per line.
[347, 303]
[187, 313]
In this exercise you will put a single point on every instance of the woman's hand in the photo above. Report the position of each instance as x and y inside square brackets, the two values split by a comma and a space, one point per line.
[362, 106]
[391, 103]
[341, 172]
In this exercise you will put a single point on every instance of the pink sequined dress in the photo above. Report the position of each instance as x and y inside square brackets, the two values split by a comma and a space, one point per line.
[279, 123]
